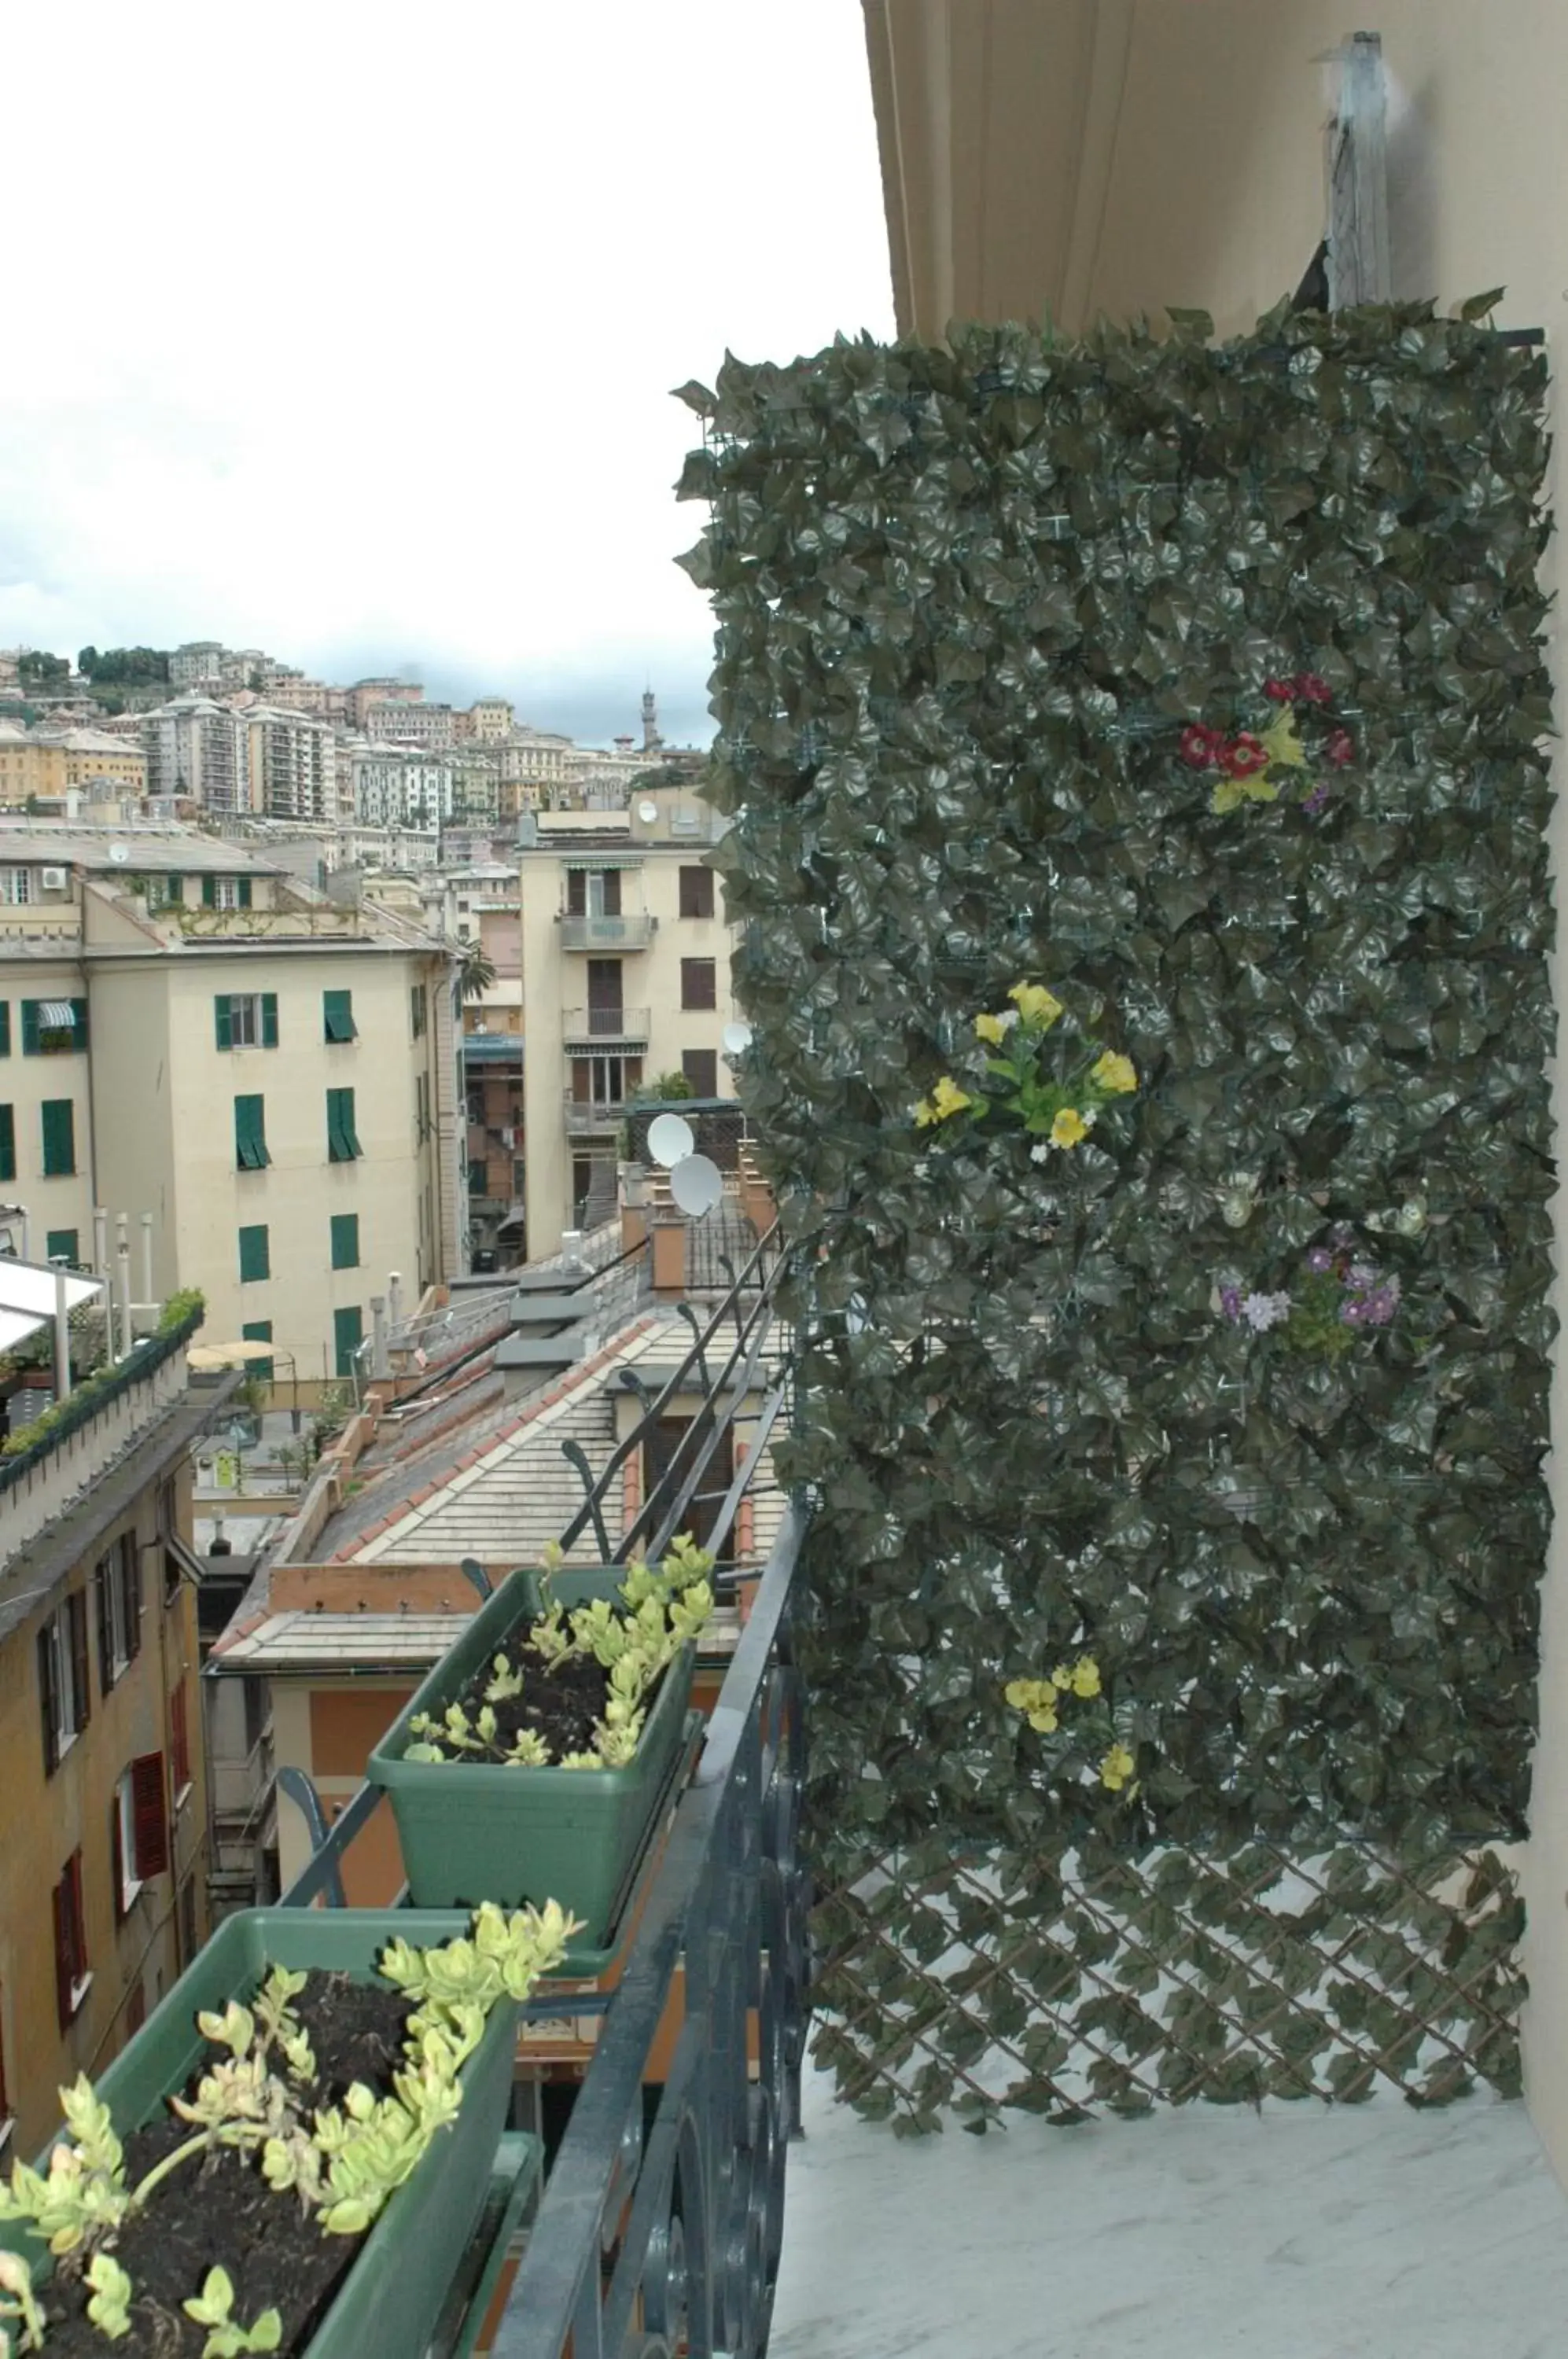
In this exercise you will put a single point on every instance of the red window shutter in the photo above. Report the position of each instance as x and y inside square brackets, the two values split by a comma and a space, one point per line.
[149, 1815]
[117, 1857]
[63, 1958]
[78, 1918]
[76, 1615]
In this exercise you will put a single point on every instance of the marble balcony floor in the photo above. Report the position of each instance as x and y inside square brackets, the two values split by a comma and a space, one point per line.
[1370, 2232]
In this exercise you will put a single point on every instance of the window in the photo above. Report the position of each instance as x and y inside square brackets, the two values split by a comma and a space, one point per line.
[337, 1016]
[138, 1829]
[696, 892]
[699, 983]
[61, 1244]
[4, 1028]
[118, 1584]
[7, 1142]
[419, 1008]
[72, 1972]
[250, 1135]
[17, 885]
[53, 1027]
[225, 891]
[64, 1697]
[593, 892]
[258, 1331]
[343, 1142]
[179, 1743]
[59, 1118]
[701, 1066]
[345, 1240]
[348, 1333]
[168, 1527]
[246, 1019]
[256, 1259]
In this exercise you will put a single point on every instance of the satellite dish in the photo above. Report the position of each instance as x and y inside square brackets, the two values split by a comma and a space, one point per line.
[670, 1140]
[648, 812]
[695, 1186]
[736, 1039]
[119, 854]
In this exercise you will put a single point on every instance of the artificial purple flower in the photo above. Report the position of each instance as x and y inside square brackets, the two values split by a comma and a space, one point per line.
[1230, 1301]
[1319, 1260]
[1362, 1274]
[1262, 1311]
[1353, 1312]
[1317, 800]
[1380, 1306]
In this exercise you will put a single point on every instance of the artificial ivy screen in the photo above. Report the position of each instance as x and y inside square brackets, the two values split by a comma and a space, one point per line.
[1201, 686]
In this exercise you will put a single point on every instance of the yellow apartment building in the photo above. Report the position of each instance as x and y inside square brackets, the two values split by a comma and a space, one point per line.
[103, 1870]
[188, 1032]
[32, 763]
[625, 978]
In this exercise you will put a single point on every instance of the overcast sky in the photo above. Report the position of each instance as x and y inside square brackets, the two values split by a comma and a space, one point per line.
[347, 331]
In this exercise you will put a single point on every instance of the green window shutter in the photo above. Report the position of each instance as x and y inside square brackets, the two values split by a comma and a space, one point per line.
[78, 1021]
[173, 891]
[250, 1134]
[258, 1331]
[269, 1019]
[244, 894]
[337, 1015]
[4, 1028]
[29, 1027]
[348, 1333]
[7, 1142]
[59, 1138]
[418, 1007]
[209, 892]
[256, 1259]
[222, 1020]
[345, 1240]
[61, 1244]
[343, 1143]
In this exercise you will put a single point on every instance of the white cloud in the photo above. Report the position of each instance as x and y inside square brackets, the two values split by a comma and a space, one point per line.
[365, 319]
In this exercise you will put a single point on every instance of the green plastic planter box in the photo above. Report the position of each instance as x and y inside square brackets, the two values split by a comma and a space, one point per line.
[489, 1830]
[390, 2300]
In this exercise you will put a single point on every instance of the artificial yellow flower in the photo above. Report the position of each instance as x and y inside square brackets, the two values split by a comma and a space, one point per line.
[1062, 1676]
[1036, 1005]
[1068, 1128]
[925, 1114]
[1086, 1676]
[949, 1099]
[1117, 1074]
[993, 1028]
[1036, 1700]
[1115, 1768]
[1282, 743]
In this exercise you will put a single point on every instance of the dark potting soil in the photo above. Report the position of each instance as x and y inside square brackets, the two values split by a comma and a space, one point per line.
[561, 1704]
[219, 2212]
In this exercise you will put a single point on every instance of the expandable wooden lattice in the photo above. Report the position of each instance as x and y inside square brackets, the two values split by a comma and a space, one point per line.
[1062, 1983]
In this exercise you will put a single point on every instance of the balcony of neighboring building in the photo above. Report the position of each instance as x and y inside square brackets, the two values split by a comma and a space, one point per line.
[601, 908]
[583, 1025]
[594, 1117]
[585, 930]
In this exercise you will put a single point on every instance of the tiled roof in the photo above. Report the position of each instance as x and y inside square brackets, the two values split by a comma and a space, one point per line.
[299, 1641]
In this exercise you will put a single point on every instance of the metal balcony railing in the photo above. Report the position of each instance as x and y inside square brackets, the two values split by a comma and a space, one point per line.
[634, 931]
[604, 1023]
[661, 2221]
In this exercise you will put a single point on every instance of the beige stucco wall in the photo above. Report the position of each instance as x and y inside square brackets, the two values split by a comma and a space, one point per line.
[165, 1097]
[53, 1204]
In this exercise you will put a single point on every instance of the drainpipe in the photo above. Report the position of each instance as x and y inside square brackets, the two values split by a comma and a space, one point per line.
[100, 1243]
[379, 1363]
[123, 1275]
[147, 1296]
[61, 1339]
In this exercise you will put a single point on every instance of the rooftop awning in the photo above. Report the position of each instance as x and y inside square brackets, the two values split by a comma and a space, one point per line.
[57, 1015]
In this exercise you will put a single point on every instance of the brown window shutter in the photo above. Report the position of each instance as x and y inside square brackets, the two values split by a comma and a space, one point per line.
[179, 1739]
[611, 889]
[63, 1958]
[131, 1578]
[47, 1698]
[81, 1679]
[101, 1580]
[117, 1857]
[701, 1066]
[577, 892]
[149, 1814]
[78, 1918]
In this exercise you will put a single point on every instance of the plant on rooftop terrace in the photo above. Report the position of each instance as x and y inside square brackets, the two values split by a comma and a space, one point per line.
[287, 2101]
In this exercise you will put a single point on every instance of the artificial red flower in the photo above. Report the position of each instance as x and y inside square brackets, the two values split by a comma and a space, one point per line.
[1201, 746]
[1313, 688]
[1245, 756]
[1340, 748]
[1284, 691]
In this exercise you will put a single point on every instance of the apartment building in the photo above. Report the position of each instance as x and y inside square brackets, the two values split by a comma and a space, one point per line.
[188, 1031]
[396, 785]
[409, 722]
[625, 977]
[241, 757]
[42, 763]
[102, 1869]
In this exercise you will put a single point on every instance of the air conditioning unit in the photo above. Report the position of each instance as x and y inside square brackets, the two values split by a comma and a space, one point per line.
[53, 880]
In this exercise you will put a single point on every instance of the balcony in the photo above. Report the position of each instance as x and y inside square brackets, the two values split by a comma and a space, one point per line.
[626, 1024]
[633, 932]
[594, 1117]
